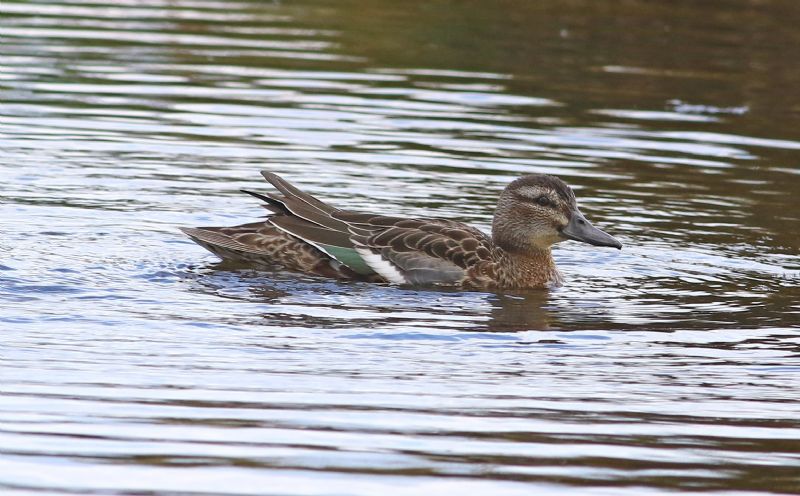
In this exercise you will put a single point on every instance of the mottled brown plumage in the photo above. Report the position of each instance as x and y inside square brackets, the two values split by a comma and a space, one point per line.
[307, 235]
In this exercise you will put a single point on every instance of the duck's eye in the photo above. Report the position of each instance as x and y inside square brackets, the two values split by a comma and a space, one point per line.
[543, 201]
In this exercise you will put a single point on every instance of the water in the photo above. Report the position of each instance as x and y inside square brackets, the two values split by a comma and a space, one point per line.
[134, 363]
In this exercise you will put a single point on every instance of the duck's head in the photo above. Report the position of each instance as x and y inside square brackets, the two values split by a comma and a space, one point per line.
[537, 211]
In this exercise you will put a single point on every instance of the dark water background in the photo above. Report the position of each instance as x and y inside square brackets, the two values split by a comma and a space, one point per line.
[131, 362]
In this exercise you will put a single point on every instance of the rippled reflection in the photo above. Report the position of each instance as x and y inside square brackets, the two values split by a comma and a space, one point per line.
[134, 362]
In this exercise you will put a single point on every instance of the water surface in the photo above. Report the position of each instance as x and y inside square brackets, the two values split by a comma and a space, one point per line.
[134, 362]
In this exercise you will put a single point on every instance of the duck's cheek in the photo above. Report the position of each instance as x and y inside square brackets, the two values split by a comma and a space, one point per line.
[549, 236]
[545, 240]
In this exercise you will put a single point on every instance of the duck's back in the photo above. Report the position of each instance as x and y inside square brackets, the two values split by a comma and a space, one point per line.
[417, 251]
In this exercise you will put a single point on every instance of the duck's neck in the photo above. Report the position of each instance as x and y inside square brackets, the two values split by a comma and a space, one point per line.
[529, 269]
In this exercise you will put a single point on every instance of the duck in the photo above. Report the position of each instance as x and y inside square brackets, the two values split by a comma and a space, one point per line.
[304, 234]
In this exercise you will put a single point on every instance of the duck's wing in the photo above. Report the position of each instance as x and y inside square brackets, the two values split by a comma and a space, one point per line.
[399, 250]
[416, 251]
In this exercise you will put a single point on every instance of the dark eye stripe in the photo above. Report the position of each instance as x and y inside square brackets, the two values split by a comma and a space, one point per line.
[543, 201]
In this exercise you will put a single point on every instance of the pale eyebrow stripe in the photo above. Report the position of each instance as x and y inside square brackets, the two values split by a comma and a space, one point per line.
[530, 191]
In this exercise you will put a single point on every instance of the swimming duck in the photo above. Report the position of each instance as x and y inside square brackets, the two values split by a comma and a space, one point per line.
[305, 234]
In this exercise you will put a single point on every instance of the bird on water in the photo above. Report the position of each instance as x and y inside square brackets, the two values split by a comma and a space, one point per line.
[305, 234]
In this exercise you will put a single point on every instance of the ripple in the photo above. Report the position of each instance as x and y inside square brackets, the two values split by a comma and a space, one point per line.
[130, 352]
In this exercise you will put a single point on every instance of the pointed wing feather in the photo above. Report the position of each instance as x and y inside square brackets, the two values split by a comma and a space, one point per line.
[273, 204]
[292, 191]
[311, 232]
[304, 205]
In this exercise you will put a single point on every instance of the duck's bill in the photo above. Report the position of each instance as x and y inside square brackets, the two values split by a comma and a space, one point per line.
[580, 229]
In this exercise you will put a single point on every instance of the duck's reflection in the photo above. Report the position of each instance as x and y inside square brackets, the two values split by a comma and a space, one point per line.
[520, 312]
[286, 300]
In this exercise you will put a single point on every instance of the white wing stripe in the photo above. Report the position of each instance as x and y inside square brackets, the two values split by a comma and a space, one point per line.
[384, 268]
